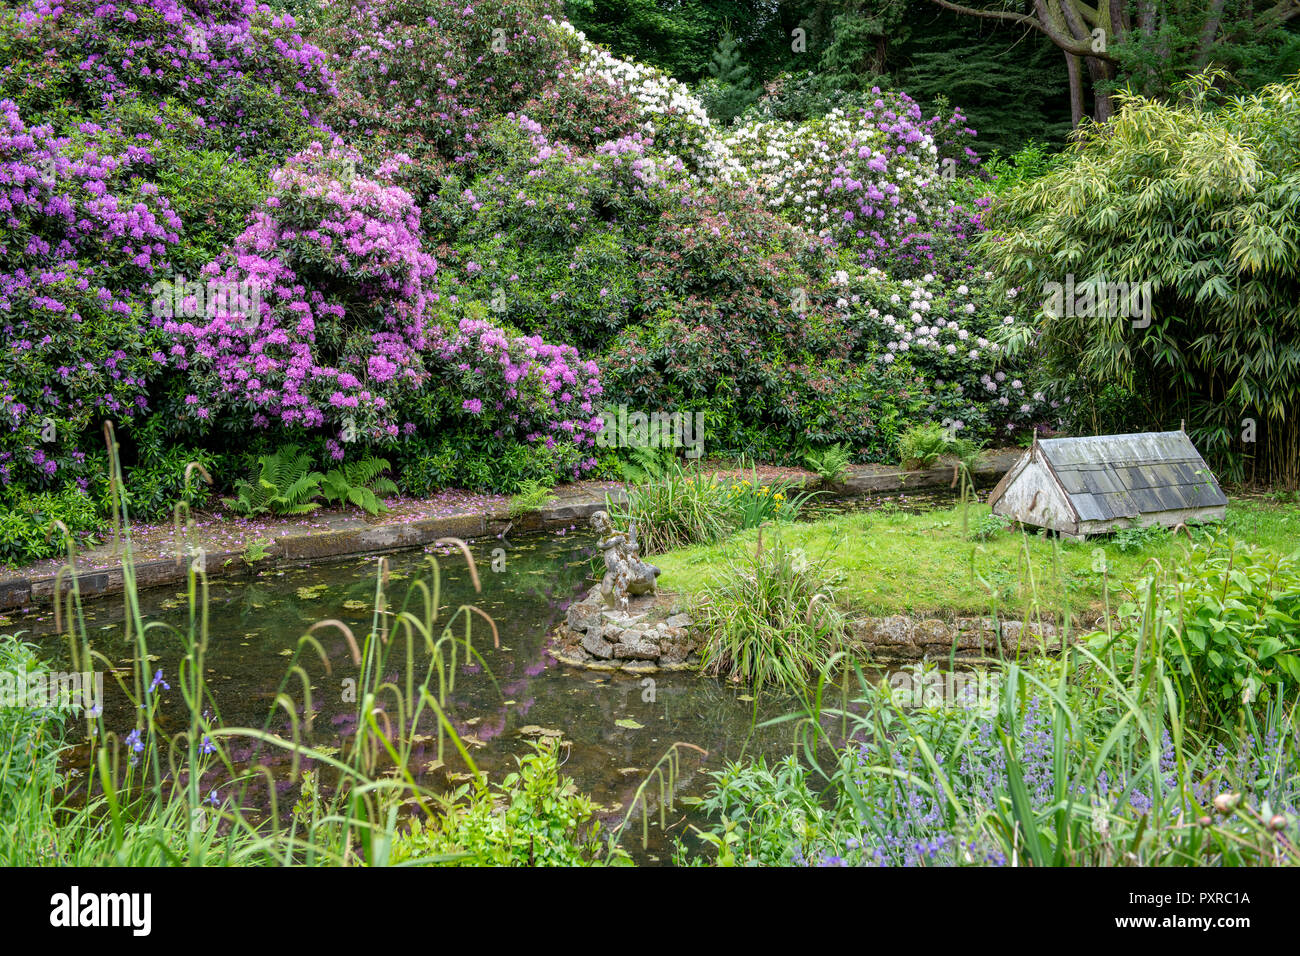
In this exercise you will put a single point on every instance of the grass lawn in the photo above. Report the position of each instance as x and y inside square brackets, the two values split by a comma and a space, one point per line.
[897, 563]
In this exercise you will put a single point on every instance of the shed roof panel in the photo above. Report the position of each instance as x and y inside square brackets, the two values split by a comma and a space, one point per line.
[1121, 476]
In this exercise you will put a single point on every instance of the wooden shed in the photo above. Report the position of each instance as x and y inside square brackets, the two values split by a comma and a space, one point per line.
[1091, 485]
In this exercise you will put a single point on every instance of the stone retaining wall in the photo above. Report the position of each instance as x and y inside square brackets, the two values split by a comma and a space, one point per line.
[655, 634]
[901, 638]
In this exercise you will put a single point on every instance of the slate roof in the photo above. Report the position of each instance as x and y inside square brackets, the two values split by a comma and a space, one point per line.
[1122, 476]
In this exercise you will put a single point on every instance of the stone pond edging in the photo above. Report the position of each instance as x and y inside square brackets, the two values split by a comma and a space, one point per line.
[650, 636]
[900, 638]
[656, 635]
[352, 536]
[342, 541]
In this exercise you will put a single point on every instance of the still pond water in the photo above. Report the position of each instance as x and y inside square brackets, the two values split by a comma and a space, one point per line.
[618, 725]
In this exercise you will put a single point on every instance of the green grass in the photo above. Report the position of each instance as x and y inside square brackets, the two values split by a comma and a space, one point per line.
[896, 563]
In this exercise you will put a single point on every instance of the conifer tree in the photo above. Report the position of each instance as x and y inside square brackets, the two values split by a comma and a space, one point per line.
[733, 88]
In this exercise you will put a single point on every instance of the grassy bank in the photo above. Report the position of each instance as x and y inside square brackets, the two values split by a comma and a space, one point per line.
[892, 562]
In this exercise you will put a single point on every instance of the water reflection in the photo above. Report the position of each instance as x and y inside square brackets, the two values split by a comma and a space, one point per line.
[617, 725]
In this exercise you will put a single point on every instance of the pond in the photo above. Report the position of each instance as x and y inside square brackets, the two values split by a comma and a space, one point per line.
[618, 725]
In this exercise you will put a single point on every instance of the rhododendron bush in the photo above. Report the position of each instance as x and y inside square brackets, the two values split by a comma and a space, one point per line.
[706, 299]
[79, 231]
[870, 181]
[425, 77]
[344, 336]
[241, 68]
[132, 138]
[451, 233]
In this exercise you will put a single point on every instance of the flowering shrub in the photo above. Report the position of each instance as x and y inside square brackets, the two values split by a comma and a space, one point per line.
[703, 299]
[585, 111]
[945, 332]
[79, 230]
[341, 320]
[248, 77]
[96, 197]
[520, 386]
[670, 114]
[548, 236]
[438, 70]
[873, 180]
[695, 298]
[344, 336]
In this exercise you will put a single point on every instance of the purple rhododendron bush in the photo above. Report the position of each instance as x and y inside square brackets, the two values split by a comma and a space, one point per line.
[450, 235]
[348, 337]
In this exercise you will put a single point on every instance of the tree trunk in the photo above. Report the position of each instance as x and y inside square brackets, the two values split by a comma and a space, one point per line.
[1076, 89]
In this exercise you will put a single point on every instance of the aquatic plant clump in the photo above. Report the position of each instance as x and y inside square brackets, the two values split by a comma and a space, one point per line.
[772, 620]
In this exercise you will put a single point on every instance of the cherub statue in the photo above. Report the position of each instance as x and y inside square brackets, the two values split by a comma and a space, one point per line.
[625, 572]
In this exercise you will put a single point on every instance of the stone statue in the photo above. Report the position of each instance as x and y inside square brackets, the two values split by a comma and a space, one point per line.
[625, 572]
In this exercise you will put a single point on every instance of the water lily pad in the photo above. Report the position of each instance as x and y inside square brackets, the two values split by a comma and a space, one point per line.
[532, 730]
[311, 593]
[356, 605]
[629, 723]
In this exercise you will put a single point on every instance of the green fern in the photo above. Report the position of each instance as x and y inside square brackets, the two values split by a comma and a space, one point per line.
[646, 464]
[921, 445]
[533, 495]
[284, 485]
[831, 463]
[361, 483]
